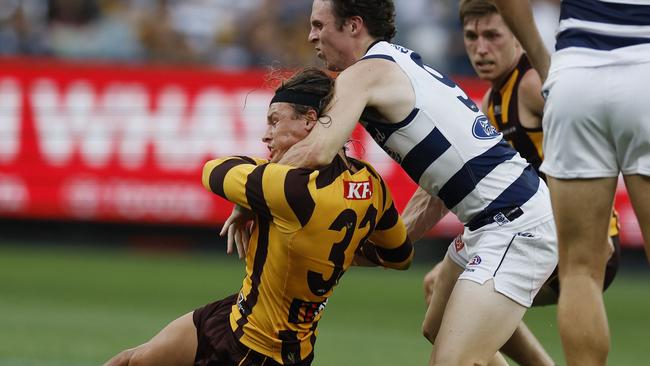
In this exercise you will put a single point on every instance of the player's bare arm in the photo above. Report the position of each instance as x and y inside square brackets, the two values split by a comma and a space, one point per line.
[519, 17]
[531, 102]
[334, 129]
[369, 83]
[421, 213]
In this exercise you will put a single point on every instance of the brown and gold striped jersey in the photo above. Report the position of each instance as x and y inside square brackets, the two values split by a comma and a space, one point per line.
[503, 113]
[309, 225]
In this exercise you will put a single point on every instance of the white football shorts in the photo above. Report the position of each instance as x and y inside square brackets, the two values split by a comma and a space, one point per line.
[518, 256]
[597, 122]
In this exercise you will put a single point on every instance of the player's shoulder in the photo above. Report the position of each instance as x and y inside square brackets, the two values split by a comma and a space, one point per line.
[530, 91]
[371, 174]
[485, 101]
[281, 176]
[355, 170]
[368, 69]
[530, 82]
[362, 164]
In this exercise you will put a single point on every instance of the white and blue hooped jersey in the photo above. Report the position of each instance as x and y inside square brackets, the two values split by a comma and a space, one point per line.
[448, 146]
[594, 33]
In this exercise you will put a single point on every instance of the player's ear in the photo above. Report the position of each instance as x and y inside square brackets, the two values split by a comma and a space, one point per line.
[311, 118]
[355, 23]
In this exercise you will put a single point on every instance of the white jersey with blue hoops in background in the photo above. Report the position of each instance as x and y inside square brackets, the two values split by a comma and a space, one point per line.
[449, 147]
[595, 33]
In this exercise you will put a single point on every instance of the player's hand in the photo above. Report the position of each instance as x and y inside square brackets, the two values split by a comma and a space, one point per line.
[360, 261]
[301, 154]
[366, 255]
[293, 157]
[238, 227]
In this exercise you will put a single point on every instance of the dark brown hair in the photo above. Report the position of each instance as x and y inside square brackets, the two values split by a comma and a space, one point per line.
[473, 9]
[311, 80]
[378, 15]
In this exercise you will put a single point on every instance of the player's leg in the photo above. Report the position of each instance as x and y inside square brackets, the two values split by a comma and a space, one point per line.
[174, 345]
[582, 211]
[631, 129]
[440, 285]
[638, 187]
[477, 322]
[498, 360]
[524, 348]
[429, 281]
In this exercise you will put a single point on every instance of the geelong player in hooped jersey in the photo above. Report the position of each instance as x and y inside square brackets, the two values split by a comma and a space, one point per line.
[424, 121]
[311, 225]
[596, 127]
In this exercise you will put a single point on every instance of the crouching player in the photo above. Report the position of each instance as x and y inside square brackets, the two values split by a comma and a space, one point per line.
[311, 224]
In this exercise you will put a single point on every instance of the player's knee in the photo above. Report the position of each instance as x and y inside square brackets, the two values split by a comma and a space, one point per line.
[121, 359]
[581, 256]
[140, 357]
[453, 360]
[430, 279]
[584, 268]
[428, 332]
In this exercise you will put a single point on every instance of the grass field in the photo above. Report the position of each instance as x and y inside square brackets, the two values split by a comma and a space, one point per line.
[67, 306]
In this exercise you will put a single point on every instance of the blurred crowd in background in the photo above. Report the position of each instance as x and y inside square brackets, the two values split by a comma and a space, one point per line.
[227, 34]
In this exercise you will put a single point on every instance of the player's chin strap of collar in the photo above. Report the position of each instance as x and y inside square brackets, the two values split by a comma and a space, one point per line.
[301, 98]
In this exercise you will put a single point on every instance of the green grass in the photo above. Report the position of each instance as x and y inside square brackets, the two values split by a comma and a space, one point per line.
[79, 306]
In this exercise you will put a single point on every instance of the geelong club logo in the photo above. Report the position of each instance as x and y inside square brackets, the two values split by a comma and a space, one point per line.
[483, 129]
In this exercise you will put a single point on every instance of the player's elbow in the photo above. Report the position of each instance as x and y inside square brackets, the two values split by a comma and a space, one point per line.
[205, 176]
[410, 261]
[399, 258]
[397, 266]
[403, 266]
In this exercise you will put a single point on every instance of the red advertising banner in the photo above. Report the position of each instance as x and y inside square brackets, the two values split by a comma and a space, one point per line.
[127, 143]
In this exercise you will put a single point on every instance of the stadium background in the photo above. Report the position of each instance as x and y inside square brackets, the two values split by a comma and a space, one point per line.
[108, 109]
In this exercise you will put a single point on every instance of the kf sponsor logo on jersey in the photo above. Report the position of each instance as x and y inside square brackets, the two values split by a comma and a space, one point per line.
[357, 190]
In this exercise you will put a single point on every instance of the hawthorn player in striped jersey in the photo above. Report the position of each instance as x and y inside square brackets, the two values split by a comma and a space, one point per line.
[311, 226]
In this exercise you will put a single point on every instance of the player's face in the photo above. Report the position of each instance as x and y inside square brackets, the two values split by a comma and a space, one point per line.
[491, 46]
[333, 44]
[284, 128]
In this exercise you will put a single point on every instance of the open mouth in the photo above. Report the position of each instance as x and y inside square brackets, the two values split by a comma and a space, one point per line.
[483, 64]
